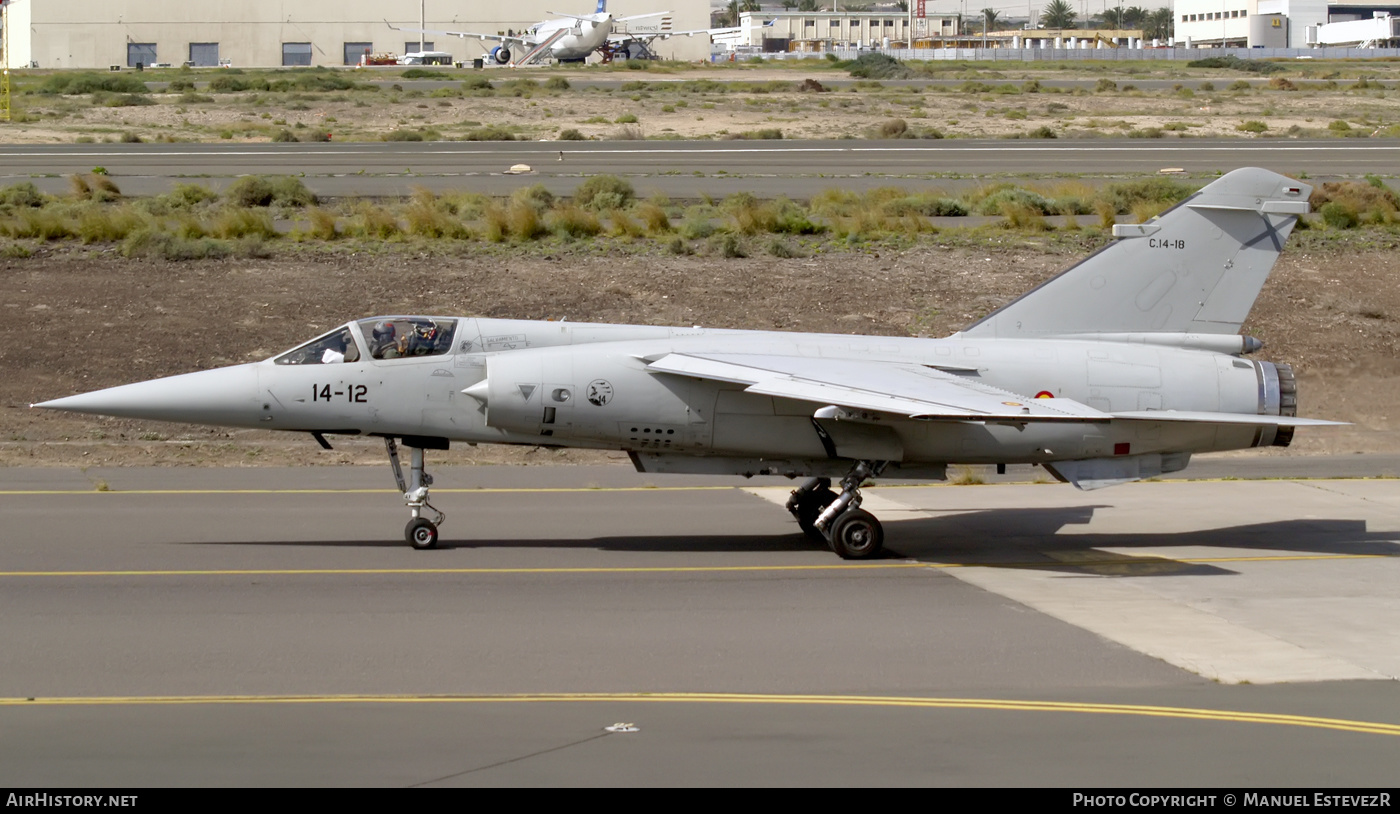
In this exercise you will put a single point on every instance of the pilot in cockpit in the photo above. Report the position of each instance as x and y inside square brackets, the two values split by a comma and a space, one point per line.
[384, 341]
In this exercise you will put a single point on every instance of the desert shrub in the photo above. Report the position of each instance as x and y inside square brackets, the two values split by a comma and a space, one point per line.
[623, 225]
[106, 224]
[492, 132]
[241, 222]
[679, 246]
[780, 248]
[427, 216]
[556, 83]
[1252, 126]
[1339, 126]
[323, 223]
[250, 190]
[21, 194]
[129, 137]
[1338, 215]
[570, 220]
[878, 66]
[151, 243]
[1121, 197]
[224, 83]
[1105, 85]
[537, 196]
[192, 98]
[891, 128]
[1365, 201]
[402, 135]
[315, 136]
[1146, 132]
[767, 133]
[126, 100]
[696, 228]
[1023, 217]
[424, 73]
[1235, 63]
[1281, 83]
[45, 223]
[74, 84]
[78, 185]
[654, 217]
[572, 134]
[476, 83]
[1042, 132]
[290, 191]
[1002, 197]
[1240, 84]
[628, 133]
[284, 135]
[372, 221]
[602, 192]
[925, 205]
[626, 118]
[728, 245]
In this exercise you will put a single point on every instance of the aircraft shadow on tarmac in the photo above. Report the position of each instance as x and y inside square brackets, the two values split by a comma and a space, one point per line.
[1021, 538]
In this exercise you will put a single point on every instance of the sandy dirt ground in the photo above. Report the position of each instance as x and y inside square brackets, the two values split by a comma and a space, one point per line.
[78, 319]
[642, 104]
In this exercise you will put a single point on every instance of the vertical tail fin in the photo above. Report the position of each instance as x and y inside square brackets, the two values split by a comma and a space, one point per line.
[1195, 269]
[602, 7]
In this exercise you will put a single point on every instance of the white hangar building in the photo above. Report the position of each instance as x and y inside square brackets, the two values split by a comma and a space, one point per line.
[273, 33]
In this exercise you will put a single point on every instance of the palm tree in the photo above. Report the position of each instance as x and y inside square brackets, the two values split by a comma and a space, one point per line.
[989, 19]
[1159, 24]
[1113, 17]
[789, 4]
[807, 5]
[1134, 17]
[750, 5]
[1058, 14]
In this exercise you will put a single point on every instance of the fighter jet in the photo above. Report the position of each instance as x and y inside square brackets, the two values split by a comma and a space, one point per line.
[1118, 369]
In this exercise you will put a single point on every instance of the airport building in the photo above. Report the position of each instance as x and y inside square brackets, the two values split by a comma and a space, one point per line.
[274, 33]
[1279, 23]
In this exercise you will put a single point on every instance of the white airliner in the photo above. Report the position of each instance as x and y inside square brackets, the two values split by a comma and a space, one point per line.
[571, 38]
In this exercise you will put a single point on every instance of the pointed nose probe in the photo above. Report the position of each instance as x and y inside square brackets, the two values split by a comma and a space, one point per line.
[224, 396]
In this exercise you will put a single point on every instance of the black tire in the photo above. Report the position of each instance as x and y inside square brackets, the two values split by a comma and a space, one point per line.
[810, 508]
[421, 533]
[857, 535]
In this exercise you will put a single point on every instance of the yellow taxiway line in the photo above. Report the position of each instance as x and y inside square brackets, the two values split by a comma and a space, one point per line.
[853, 569]
[1189, 713]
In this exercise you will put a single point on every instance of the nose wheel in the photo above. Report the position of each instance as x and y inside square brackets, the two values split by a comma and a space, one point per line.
[421, 533]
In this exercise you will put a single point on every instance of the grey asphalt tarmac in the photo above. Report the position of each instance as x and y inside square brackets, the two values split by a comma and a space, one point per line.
[679, 169]
[269, 627]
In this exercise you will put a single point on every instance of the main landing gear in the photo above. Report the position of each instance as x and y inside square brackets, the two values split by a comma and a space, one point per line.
[421, 533]
[854, 534]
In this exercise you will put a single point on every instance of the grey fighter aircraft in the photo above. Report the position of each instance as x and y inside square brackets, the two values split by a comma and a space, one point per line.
[1118, 369]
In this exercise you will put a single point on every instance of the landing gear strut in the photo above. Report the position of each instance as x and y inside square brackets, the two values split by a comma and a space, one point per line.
[421, 533]
[854, 534]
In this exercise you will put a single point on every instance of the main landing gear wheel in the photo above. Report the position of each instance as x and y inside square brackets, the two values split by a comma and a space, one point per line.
[421, 533]
[808, 502]
[857, 535]
[853, 533]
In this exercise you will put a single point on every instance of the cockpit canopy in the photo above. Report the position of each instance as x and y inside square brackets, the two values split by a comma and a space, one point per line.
[381, 338]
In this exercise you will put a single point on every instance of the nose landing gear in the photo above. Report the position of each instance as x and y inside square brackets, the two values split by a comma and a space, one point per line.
[854, 534]
[421, 533]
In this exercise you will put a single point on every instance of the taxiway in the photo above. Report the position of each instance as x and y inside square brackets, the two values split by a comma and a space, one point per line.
[187, 626]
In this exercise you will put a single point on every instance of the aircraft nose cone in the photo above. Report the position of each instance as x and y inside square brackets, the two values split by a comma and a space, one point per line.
[226, 396]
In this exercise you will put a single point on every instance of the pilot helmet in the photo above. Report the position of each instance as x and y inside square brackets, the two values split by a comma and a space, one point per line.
[426, 330]
[383, 331]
